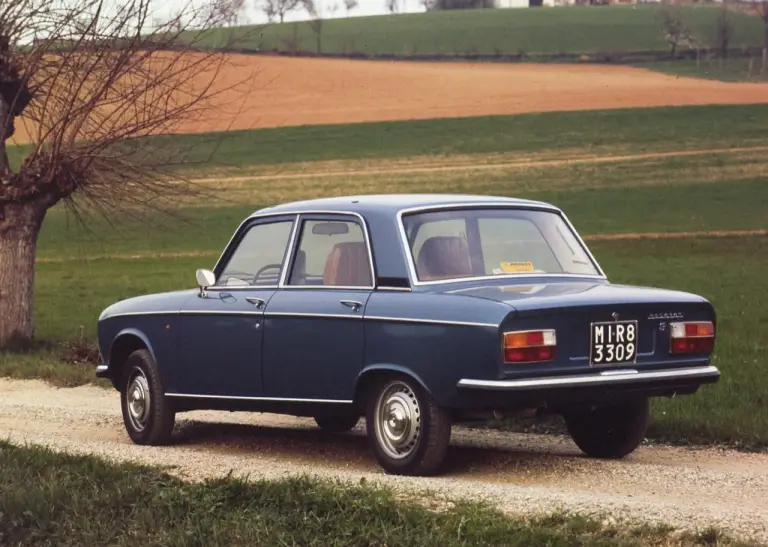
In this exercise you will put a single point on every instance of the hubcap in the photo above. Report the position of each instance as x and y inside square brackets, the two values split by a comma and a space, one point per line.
[398, 420]
[138, 400]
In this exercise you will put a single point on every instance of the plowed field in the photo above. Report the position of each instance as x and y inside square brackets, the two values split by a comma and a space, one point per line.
[284, 91]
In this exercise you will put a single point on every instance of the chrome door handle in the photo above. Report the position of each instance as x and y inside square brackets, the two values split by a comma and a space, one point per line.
[258, 302]
[352, 304]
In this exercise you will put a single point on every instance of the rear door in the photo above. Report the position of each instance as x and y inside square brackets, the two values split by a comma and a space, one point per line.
[314, 332]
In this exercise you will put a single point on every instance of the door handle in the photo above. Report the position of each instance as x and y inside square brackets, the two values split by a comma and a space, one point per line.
[258, 302]
[352, 304]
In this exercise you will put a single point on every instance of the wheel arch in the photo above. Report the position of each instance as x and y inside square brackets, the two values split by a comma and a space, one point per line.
[368, 376]
[126, 342]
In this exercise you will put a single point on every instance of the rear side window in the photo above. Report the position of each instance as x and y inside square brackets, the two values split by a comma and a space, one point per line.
[258, 258]
[331, 253]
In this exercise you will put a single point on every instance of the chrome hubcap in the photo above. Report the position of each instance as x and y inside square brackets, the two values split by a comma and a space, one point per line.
[398, 420]
[138, 400]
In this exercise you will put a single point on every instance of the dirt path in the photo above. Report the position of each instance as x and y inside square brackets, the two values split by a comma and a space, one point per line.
[520, 473]
[522, 164]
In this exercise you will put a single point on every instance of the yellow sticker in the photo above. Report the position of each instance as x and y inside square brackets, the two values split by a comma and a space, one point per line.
[516, 267]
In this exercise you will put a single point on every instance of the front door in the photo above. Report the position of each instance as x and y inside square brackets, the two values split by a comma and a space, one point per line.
[220, 345]
[314, 333]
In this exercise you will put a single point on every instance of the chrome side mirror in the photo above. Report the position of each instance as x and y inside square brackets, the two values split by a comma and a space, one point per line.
[205, 278]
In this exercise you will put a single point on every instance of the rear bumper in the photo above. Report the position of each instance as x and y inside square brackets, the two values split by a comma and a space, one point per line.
[620, 378]
[102, 371]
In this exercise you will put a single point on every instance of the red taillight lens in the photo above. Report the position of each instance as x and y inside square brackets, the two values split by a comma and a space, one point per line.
[531, 346]
[694, 337]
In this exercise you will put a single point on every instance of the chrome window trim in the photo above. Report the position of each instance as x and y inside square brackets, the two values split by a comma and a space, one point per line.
[295, 241]
[603, 378]
[280, 399]
[240, 287]
[414, 278]
[430, 321]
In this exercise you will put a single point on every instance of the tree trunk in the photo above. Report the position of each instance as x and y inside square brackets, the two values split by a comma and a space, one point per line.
[19, 227]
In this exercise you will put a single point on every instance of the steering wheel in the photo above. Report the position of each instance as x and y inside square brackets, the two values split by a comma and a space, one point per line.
[265, 268]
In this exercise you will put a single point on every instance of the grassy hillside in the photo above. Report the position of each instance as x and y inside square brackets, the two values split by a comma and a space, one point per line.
[493, 32]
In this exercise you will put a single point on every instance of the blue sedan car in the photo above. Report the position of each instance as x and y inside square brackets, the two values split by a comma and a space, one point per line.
[416, 312]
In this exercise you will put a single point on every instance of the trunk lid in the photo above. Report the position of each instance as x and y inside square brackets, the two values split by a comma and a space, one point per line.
[571, 307]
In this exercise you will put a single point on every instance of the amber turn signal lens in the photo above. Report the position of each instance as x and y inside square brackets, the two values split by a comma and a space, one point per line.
[529, 346]
[692, 337]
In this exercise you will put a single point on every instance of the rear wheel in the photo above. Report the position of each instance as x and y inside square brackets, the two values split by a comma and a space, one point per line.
[148, 415]
[407, 431]
[609, 431]
[337, 422]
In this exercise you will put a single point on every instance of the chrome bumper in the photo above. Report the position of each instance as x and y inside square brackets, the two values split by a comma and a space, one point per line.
[101, 371]
[605, 378]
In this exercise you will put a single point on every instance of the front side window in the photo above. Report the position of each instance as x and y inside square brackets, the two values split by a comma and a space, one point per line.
[486, 242]
[331, 253]
[258, 258]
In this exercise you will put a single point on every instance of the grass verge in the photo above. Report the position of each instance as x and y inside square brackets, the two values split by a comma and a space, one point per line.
[48, 498]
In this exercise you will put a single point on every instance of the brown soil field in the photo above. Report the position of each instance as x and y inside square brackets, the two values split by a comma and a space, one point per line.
[283, 91]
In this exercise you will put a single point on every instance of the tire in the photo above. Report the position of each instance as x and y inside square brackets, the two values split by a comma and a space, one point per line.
[610, 432]
[418, 443]
[337, 422]
[150, 423]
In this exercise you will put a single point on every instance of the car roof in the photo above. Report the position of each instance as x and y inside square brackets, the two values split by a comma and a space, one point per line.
[393, 203]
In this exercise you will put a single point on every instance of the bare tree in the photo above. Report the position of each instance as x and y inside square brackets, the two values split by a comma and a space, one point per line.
[315, 22]
[760, 8]
[90, 82]
[676, 33]
[724, 31]
[349, 5]
[278, 9]
[229, 12]
[392, 5]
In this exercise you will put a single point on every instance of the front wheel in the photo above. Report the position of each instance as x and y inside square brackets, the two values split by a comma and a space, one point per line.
[407, 431]
[147, 414]
[609, 431]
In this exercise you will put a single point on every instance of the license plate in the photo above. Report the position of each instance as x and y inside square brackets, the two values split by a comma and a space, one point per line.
[613, 343]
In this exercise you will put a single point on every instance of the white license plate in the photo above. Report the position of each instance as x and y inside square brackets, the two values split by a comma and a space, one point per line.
[613, 343]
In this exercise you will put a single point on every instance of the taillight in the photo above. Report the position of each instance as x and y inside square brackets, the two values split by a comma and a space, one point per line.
[692, 337]
[530, 346]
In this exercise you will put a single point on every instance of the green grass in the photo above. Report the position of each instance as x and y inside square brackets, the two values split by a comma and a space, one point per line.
[54, 499]
[631, 130]
[492, 32]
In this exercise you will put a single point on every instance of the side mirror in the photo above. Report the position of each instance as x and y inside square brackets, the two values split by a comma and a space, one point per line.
[205, 278]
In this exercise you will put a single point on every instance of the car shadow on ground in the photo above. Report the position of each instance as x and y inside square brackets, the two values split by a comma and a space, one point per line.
[350, 450]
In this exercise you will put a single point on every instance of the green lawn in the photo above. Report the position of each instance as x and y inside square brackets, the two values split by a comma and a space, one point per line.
[53, 499]
[574, 30]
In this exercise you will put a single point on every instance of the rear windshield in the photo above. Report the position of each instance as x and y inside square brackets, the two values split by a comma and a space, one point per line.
[488, 242]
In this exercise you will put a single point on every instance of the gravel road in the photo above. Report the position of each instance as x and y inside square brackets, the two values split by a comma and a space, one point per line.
[522, 474]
